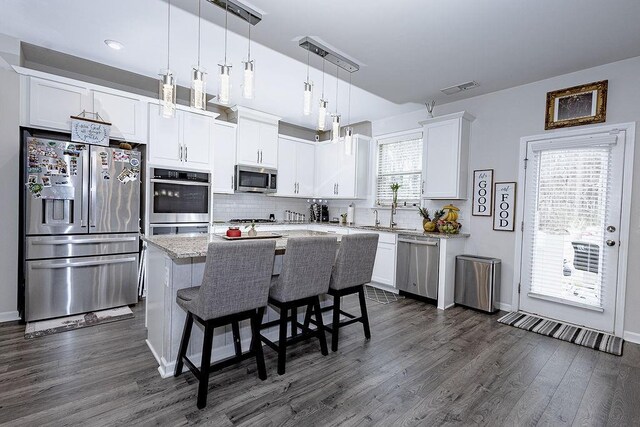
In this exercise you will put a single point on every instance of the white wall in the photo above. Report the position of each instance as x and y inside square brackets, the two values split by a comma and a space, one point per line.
[502, 118]
[9, 174]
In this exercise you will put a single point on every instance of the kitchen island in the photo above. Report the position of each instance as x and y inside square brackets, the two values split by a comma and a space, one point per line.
[176, 262]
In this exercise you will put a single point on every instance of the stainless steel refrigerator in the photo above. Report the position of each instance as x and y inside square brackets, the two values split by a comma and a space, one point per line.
[80, 226]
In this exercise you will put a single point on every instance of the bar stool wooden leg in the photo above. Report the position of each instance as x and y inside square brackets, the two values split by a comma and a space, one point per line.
[184, 343]
[307, 316]
[203, 385]
[335, 326]
[236, 337]
[320, 327]
[365, 315]
[282, 340]
[294, 319]
[256, 344]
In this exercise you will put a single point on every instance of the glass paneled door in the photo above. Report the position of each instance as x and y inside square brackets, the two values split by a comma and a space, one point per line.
[572, 208]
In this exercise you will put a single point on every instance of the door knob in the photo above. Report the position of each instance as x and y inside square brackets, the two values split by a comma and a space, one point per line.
[611, 229]
[610, 242]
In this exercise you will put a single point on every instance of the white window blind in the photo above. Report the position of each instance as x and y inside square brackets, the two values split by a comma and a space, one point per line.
[400, 161]
[565, 225]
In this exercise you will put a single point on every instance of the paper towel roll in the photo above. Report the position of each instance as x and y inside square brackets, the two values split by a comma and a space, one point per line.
[351, 212]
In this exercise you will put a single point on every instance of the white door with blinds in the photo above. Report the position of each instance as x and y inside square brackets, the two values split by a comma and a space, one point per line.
[572, 208]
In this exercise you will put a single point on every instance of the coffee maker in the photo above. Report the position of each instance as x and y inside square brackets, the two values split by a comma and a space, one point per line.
[324, 216]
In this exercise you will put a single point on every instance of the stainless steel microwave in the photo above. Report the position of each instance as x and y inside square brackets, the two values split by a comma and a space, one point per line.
[179, 196]
[250, 179]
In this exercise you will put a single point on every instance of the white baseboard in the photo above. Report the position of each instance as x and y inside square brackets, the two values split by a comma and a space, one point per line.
[9, 316]
[504, 307]
[631, 337]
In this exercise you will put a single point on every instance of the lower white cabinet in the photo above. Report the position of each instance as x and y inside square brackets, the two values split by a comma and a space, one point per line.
[224, 157]
[181, 141]
[295, 167]
[384, 268]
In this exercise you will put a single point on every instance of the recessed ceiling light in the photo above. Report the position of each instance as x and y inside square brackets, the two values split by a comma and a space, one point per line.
[114, 44]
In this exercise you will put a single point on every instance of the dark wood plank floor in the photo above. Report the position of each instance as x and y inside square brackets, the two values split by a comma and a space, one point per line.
[422, 367]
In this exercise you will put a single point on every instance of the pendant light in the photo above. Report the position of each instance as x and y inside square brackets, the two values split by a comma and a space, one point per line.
[247, 85]
[198, 77]
[348, 133]
[322, 110]
[308, 91]
[335, 123]
[167, 81]
[224, 88]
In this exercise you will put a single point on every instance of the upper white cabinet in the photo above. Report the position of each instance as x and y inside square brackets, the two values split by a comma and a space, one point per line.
[446, 156]
[257, 137]
[126, 113]
[224, 157]
[52, 103]
[296, 162]
[183, 141]
[339, 175]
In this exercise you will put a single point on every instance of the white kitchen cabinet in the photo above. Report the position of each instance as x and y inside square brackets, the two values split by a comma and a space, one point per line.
[125, 112]
[446, 156]
[197, 138]
[257, 137]
[181, 141]
[52, 103]
[295, 167]
[224, 157]
[342, 176]
[384, 268]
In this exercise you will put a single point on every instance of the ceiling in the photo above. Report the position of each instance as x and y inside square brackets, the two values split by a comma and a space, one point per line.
[408, 49]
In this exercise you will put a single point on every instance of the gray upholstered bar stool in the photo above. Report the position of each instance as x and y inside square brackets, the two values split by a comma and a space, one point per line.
[306, 270]
[235, 287]
[351, 271]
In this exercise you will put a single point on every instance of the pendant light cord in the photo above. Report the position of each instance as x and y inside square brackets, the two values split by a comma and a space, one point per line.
[168, 32]
[349, 102]
[337, 80]
[226, 18]
[249, 53]
[323, 78]
[199, 23]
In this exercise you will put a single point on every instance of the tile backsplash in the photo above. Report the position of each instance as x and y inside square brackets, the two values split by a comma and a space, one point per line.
[246, 205]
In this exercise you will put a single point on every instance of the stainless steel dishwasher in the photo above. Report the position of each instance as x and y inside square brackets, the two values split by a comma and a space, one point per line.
[417, 265]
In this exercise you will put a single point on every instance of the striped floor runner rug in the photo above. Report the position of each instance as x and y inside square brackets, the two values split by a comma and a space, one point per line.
[565, 332]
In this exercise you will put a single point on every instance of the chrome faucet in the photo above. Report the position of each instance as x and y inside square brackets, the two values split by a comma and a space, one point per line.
[392, 223]
[375, 211]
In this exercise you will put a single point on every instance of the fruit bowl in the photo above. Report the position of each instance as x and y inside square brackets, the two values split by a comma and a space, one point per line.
[449, 227]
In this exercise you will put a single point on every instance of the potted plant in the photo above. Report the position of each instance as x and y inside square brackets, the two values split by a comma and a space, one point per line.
[427, 224]
[394, 189]
[252, 229]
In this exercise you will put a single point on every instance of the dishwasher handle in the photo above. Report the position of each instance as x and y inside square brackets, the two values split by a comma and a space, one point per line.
[419, 242]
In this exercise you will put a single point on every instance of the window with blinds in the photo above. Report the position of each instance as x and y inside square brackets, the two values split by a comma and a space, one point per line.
[566, 228]
[400, 161]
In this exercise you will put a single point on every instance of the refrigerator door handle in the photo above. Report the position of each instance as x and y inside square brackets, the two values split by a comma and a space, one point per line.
[92, 208]
[48, 265]
[85, 241]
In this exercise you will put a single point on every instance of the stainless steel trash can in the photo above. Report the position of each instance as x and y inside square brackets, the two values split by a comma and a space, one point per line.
[477, 282]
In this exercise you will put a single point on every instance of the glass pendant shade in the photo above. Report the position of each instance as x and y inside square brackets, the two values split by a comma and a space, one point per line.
[224, 89]
[348, 141]
[322, 114]
[335, 128]
[167, 93]
[198, 88]
[247, 85]
[308, 95]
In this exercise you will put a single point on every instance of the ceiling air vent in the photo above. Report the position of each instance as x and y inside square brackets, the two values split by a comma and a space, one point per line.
[459, 88]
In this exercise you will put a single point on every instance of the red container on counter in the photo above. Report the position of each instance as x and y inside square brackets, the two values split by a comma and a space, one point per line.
[234, 232]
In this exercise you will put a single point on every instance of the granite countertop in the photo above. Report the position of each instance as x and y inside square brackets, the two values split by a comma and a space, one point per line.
[193, 246]
[399, 230]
